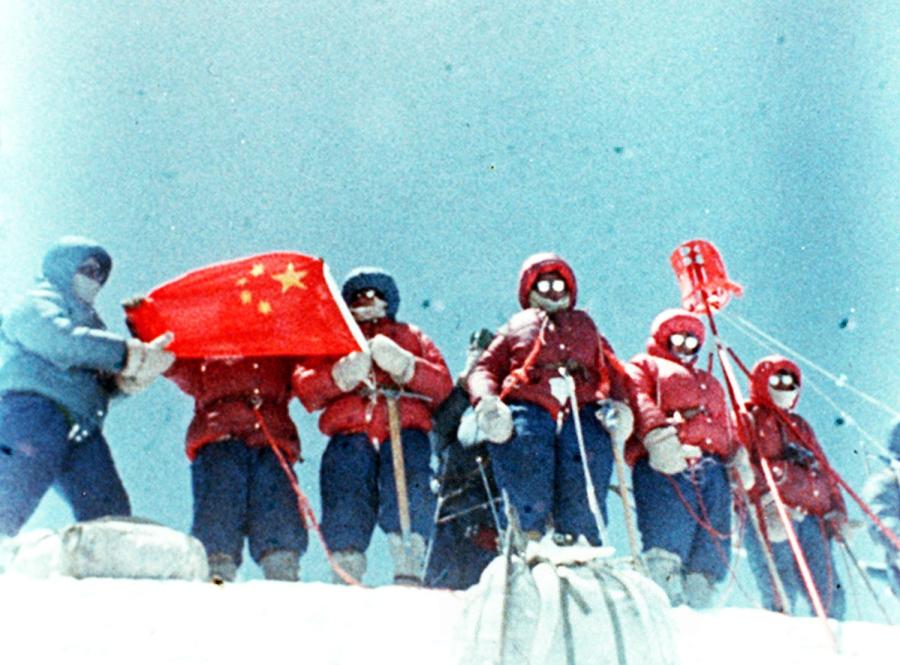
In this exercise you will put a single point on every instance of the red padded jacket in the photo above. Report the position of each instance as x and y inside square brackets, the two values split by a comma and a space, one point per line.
[664, 391]
[362, 411]
[230, 395]
[533, 345]
[793, 452]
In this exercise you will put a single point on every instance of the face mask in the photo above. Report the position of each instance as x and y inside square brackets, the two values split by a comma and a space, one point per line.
[546, 304]
[377, 310]
[686, 358]
[784, 399]
[85, 288]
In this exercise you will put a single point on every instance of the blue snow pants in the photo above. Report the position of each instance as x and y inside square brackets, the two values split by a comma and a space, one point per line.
[816, 547]
[456, 562]
[36, 453]
[542, 473]
[676, 512]
[358, 489]
[241, 491]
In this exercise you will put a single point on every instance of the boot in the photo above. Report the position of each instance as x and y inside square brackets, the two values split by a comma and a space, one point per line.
[664, 568]
[281, 565]
[353, 563]
[699, 591]
[408, 561]
[222, 567]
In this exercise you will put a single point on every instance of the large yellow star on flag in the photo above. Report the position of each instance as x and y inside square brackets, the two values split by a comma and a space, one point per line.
[290, 278]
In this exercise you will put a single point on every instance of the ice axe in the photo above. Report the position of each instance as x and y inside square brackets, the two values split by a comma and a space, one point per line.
[393, 409]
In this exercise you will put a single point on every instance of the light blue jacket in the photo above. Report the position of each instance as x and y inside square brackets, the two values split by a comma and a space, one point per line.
[54, 344]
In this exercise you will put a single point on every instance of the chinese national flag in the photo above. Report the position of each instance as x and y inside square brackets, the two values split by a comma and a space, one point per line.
[278, 304]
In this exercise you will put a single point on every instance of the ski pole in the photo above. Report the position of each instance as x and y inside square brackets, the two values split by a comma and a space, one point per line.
[762, 537]
[865, 577]
[626, 508]
[487, 488]
[428, 552]
[588, 480]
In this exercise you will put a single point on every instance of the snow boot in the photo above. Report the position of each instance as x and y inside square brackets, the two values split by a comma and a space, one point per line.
[408, 561]
[281, 565]
[352, 562]
[222, 568]
[699, 591]
[664, 568]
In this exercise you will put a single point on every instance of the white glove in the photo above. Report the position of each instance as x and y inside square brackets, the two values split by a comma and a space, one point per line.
[741, 464]
[774, 526]
[494, 419]
[617, 419]
[144, 361]
[667, 454]
[350, 370]
[393, 358]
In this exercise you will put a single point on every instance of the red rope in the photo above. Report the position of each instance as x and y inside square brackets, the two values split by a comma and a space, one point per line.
[307, 515]
[520, 376]
[820, 457]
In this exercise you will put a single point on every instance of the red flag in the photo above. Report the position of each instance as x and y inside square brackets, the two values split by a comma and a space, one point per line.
[272, 304]
[701, 276]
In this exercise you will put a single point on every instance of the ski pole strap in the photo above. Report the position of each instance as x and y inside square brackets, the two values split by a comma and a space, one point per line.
[307, 515]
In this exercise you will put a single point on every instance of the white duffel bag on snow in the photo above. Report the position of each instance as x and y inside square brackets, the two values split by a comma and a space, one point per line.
[568, 605]
[108, 547]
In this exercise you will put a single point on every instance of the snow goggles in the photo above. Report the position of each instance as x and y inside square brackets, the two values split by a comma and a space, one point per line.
[92, 270]
[783, 380]
[686, 341]
[366, 293]
[544, 286]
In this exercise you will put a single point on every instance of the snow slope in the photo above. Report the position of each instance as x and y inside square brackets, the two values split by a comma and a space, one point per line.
[101, 621]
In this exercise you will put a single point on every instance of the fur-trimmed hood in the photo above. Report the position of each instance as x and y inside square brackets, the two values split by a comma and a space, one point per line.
[759, 378]
[668, 322]
[373, 278]
[538, 264]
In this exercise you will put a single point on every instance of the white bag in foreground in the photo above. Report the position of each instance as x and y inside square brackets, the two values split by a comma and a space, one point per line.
[567, 605]
[109, 547]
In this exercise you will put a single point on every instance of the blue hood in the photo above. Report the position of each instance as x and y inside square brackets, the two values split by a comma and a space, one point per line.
[65, 256]
[373, 278]
[894, 443]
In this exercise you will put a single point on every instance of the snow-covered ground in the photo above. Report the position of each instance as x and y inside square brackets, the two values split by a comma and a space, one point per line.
[101, 621]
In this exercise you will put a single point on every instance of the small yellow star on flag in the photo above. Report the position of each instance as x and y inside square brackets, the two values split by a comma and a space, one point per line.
[290, 277]
[258, 269]
[242, 281]
[265, 307]
[246, 297]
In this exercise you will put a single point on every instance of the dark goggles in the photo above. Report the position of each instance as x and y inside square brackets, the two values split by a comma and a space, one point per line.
[783, 381]
[92, 270]
[685, 341]
[368, 294]
[544, 286]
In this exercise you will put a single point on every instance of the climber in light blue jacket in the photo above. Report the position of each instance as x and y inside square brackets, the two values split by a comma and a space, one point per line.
[59, 367]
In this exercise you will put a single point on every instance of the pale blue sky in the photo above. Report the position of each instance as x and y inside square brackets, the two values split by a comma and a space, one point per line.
[448, 141]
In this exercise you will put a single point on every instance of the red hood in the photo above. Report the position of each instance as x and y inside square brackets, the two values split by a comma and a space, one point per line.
[671, 321]
[536, 265]
[759, 378]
